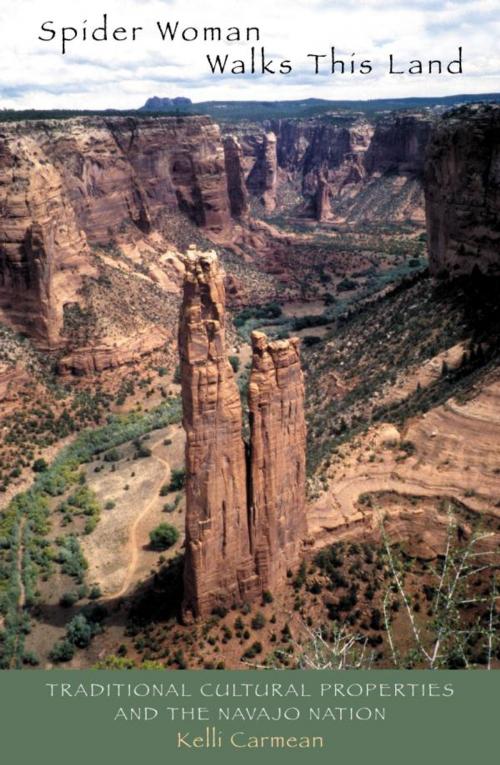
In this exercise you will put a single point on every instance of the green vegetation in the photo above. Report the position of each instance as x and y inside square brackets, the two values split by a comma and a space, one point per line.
[25, 554]
[163, 536]
[177, 479]
[235, 363]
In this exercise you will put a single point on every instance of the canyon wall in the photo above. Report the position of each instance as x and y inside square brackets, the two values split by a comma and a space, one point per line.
[463, 192]
[263, 177]
[398, 145]
[346, 168]
[72, 185]
[278, 451]
[236, 186]
[244, 524]
[43, 252]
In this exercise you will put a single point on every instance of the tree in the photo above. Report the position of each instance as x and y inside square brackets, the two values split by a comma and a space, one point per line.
[177, 479]
[163, 536]
[235, 363]
[63, 651]
[258, 621]
[79, 631]
[40, 466]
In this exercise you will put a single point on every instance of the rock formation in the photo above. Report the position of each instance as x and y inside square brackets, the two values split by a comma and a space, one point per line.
[44, 255]
[278, 448]
[463, 192]
[322, 205]
[244, 526]
[398, 145]
[70, 185]
[263, 178]
[218, 569]
[367, 171]
[237, 190]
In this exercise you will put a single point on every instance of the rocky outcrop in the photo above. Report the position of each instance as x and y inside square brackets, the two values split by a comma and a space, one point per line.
[327, 153]
[122, 171]
[263, 178]
[69, 186]
[278, 448]
[44, 256]
[156, 104]
[218, 569]
[244, 525]
[398, 145]
[462, 188]
[237, 190]
[346, 168]
[322, 204]
[93, 359]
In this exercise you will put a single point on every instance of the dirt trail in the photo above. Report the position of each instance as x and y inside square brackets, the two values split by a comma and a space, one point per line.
[22, 592]
[132, 544]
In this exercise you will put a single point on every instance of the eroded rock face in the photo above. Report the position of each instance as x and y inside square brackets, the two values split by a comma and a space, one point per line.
[398, 145]
[278, 448]
[462, 187]
[237, 190]
[44, 256]
[245, 525]
[67, 186]
[219, 569]
[356, 172]
[263, 178]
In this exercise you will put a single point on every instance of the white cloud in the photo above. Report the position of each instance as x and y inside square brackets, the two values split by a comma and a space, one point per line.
[123, 74]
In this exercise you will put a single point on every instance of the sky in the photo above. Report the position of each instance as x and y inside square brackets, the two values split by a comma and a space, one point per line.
[123, 74]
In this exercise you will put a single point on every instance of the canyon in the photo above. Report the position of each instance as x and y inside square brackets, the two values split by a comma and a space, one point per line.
[321, 295]
[74, 193]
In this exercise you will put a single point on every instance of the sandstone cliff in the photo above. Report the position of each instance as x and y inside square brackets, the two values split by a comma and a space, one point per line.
[398, 145]
[278, 449]
[463, 192]
[355, 171]
[43, 252]
[71, 189]
[236, 186]
[263, 178]
[218, 567]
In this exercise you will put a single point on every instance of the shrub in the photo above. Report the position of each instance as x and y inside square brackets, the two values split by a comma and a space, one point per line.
[346, 285]
[163, 536]
[177, 479]
[112, 456]
[40, 466]
[235, 363]
[62, 651]
[258, 621]
[79, 631]
[68, 599]
[142, 452]
[31, 659]
[310, 340]
[267, 597]
[254, 649]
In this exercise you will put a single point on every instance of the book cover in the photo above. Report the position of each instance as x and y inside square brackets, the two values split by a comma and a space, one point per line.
[249, 380]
